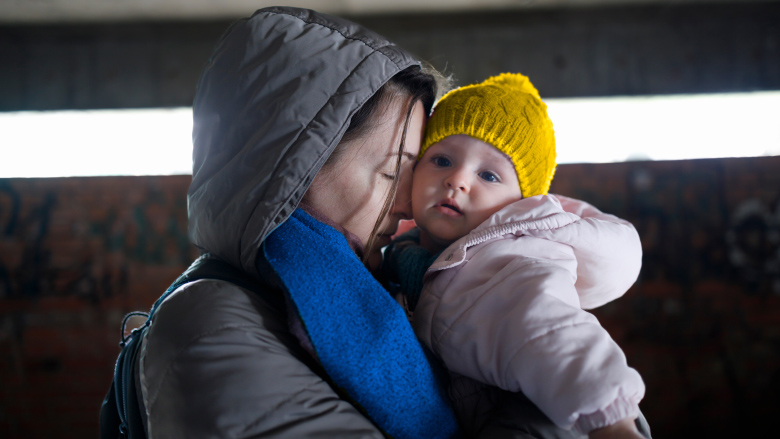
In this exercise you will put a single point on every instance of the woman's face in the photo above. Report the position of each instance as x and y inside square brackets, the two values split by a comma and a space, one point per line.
[353, 190]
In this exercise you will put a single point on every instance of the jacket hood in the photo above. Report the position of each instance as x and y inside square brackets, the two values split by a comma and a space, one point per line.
[273, 101]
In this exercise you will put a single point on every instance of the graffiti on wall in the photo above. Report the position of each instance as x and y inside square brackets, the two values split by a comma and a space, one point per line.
[30, 228]
[702, 322]
[754, 245]
[56, 242]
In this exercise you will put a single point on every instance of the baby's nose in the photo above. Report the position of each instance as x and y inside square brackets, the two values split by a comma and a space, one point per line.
[458, 180]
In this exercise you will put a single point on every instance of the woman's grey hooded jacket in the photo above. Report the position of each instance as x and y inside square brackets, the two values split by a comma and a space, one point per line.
[272, 103]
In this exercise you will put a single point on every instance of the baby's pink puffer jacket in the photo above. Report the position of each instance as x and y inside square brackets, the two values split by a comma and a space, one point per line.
[504, 306]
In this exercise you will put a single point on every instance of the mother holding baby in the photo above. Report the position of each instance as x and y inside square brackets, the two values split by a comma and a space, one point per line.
[306, 131]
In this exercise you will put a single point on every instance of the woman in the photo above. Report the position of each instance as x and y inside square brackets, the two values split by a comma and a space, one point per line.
[296, 109]
[306, 128]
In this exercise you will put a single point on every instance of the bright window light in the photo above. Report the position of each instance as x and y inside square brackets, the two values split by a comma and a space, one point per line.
[588, 130]
[674, 127]
[96, 142]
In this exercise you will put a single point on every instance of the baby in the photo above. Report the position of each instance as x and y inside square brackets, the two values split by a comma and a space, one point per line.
[498, 273]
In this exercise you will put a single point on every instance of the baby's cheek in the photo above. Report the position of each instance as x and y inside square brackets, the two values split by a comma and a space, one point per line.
[420, 198]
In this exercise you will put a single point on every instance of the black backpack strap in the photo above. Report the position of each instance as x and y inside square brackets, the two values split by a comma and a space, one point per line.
[209, 267]
[120, 415]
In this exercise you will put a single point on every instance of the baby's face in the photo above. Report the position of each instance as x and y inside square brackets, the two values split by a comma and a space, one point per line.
[458, 184]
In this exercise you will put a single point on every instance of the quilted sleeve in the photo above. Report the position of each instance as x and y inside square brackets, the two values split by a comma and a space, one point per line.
[221, 362]
[514, 321]
[607, 248]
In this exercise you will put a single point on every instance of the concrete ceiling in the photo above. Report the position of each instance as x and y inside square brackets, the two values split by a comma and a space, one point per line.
[65, 11]
[604, 50]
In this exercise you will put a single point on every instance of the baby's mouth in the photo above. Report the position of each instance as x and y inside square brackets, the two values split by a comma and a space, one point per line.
[450, 206]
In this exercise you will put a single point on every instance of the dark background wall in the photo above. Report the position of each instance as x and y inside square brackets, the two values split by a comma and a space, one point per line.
[702, 324]
[596, 51]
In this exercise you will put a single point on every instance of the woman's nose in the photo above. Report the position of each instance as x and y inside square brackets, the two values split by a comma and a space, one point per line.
[402, 206]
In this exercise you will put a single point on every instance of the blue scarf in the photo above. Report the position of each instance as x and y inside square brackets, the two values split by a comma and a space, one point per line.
[359, 334]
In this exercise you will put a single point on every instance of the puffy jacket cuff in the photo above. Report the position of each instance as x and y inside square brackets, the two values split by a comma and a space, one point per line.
[621, 408]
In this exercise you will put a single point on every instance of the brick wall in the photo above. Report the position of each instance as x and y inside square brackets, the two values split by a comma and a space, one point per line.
[702, 324]
[76, 254]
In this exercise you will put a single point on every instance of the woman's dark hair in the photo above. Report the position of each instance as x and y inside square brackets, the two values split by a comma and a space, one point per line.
[412, 84]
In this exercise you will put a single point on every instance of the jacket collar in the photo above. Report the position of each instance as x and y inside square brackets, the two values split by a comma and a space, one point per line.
[541, 212]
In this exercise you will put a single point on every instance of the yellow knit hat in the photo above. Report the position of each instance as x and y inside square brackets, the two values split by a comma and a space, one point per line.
[506, 112]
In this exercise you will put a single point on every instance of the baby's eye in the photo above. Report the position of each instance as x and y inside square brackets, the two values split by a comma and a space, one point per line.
[489, 176]
[390, 177]
[441, 161]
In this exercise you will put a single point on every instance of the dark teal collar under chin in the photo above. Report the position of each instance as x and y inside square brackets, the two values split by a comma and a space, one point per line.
[361, 336]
